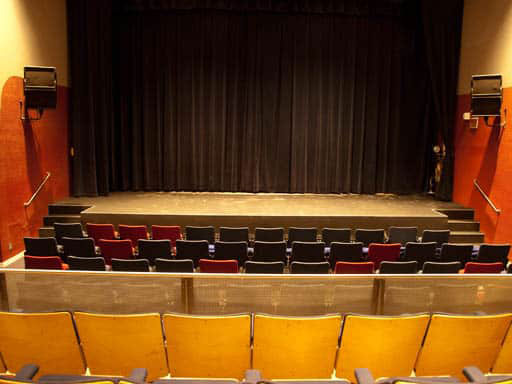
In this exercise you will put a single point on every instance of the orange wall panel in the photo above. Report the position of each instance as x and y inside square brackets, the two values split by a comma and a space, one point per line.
[28, 151]
[485, 154]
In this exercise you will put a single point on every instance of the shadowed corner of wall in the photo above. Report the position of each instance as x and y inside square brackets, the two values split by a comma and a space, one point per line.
[10, 111]
[487, 170]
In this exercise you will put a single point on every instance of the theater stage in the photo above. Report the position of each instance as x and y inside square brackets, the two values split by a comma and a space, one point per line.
[265, 209]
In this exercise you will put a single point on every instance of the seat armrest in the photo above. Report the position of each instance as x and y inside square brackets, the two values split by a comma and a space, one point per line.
[474, 374]
[252, 376]
[27, 372]
[364, 376]
[138, 375]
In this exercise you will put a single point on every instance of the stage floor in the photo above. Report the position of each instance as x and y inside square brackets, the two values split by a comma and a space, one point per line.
[264, 209]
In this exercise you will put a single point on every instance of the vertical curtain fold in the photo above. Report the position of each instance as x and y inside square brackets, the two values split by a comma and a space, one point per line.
[442, 25]
[273, 96]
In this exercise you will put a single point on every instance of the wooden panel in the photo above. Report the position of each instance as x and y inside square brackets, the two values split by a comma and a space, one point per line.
[388, 346]
[295, 347]
[115, 344]
[208, 346]
[455, 342]
[45, 339]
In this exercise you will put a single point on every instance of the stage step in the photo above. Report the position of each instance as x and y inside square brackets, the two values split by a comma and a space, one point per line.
[466, 237]
[463, 225]
[458, 213]
[66, 209]
[51, 219]
[46, 232]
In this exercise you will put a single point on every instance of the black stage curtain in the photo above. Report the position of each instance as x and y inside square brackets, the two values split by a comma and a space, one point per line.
[263, 96]
[442, 22]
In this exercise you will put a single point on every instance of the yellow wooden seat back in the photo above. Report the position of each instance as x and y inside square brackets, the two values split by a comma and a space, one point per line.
[454, 341]
[114, 344]
[45, 339]
[208, 346]
[295, 347]
[388, 346]
[503, 363]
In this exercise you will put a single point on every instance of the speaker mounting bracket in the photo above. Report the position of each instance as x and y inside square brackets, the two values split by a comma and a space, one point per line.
[25, 116]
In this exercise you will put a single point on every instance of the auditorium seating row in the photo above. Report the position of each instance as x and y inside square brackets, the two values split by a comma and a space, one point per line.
[408, 259]
[232, 266]
[319, 347]
[252, 376]
[134, 233]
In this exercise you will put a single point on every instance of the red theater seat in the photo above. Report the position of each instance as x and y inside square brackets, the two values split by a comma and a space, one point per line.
[44, 262]
[347, 267]
[166, 232]
[115, 249]
[483, 267]
[133, 233]
[383, 252]
[218, 266]
[100, 231]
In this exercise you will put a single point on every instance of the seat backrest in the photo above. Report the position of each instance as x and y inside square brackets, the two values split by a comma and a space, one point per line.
[133, 233]
[398, 267]
[218, 266]
[438, 236]
[387, 345]
[200, 233]
[354, 268]
[43, 262]
[455, 341]
[402, 235]
[73, 230]
[420, 252]
[135, 265]
[350, 252]
[208, 346]
[295, 347]
[483, 267]
[86, 263]
[79, 247]
[368, 236]
[493, 253]
[193, 250]
[308, 252]
[301, 234]
[40, 246]
[165, 265]
[45, 339]
[503, 363]
[340, 235]
[432, 267]
[269, 234]
[115, 249]
[456, 252]
[100, 231]
[154, 249]
[234, 234]
[269, 251]
[264, 267]
[166, 232]
[298, 267]
[383, 252]
[232, 250]
[114, 344]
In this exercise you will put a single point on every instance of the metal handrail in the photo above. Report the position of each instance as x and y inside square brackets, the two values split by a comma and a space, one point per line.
[48, 174]
[498, 211]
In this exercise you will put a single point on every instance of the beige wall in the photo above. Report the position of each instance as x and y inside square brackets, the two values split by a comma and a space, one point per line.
[33, 32]
[486, 45]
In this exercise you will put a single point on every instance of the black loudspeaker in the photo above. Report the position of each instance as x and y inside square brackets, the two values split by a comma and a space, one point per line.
[486, 95]
[40, 87]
